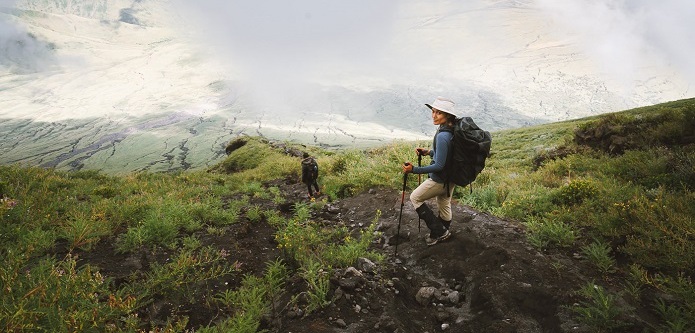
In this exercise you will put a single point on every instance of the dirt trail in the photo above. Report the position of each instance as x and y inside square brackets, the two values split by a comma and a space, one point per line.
[485, 278]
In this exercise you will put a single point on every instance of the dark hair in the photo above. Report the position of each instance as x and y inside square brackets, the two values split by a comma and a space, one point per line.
[450, 118]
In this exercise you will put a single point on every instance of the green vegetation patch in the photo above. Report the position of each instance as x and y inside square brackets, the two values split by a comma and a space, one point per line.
[616, 190]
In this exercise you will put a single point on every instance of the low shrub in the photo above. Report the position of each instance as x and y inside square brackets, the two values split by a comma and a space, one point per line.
[575, 192]
[599, 254]
[544, 232]
[658, 230]
[599, 309]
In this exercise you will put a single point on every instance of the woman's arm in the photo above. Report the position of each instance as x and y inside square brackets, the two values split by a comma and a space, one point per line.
[439, 156]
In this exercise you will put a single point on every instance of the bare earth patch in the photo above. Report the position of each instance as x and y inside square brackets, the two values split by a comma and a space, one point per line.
[485, 278]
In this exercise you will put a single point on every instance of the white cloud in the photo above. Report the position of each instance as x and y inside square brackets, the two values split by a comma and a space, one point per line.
[20, 51]
[625, 36]
[294, 40]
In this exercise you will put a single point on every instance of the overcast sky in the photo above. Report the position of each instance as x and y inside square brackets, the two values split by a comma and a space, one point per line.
[621, 34]
[291, 39]
[311, 38]
[302, 38]
[274, 44]
[379, 43]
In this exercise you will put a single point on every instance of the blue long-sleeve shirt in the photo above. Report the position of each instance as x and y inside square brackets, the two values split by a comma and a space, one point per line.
[438, 153]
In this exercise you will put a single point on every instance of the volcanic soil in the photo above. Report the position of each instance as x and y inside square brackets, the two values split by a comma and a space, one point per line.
[484, 278]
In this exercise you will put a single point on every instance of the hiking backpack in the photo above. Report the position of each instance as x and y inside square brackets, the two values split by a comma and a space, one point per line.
[310, 170]
[469, 150]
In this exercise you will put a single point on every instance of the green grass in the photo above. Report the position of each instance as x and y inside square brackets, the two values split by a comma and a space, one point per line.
[632, 187]
[627, 194]
[599, 309]
[254, 299]
[153, 213]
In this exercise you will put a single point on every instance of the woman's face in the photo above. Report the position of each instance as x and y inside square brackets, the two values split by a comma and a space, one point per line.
[438, 117]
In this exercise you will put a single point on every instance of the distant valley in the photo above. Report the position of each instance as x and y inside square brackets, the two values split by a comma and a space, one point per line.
[123, 86]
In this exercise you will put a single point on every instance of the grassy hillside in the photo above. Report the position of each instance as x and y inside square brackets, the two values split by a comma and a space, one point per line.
[615, 189]
[624, 179]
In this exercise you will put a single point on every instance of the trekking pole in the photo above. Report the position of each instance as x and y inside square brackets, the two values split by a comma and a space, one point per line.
[400, 215]
[419, 181]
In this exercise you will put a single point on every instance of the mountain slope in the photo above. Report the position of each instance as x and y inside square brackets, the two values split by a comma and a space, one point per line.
[562, 232]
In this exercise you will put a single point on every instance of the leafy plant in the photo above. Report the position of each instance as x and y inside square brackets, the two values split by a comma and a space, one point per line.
[599, 254]
[673, 317]
[300, 238]
[599, 309]
[82, 232]
[658, 229]
[254, 213]
[635, 282]
[544, 232]
[187, 268]
[317, 278]
[683, 289]
[191, 243]
[353, 248]
[274, 218]
[575, 192]
[251, 301]
[276, 195]
[254, 189]
[58, 296]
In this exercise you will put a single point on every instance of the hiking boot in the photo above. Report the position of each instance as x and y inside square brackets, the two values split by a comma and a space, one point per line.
[446, 224]
[433, 222]
[431, 241]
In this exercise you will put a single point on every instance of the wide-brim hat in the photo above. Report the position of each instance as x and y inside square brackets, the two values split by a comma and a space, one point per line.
[444, 105]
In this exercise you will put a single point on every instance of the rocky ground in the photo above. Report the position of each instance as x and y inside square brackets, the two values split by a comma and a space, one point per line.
[485, 278]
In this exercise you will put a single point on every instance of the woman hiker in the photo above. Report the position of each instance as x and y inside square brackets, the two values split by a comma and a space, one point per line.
[433, 187]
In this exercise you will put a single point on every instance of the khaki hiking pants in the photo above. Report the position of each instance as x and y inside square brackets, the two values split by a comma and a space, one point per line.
[430, 189]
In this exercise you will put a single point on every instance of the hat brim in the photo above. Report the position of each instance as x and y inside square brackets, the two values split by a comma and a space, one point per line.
[446, 111]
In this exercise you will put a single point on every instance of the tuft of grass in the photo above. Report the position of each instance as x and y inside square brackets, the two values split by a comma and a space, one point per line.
[599, 309]
[254, 213]
[58, 296]
[673, 317]
[599, 254]
[178, 278]
[347, 252]
[255, 298]
[575, 192]
[82, 232]
[544, 232]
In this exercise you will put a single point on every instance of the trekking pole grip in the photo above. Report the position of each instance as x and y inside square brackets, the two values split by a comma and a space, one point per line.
[405, 181]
